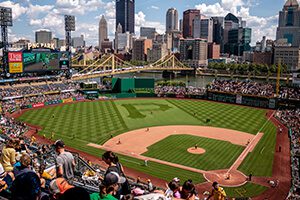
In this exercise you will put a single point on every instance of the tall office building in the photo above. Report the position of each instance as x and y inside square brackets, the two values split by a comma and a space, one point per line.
[148, 32]
[287, 43]
[140, 49]
[102, 30]
[193, 52]
[125, 10]
[206, 30]
[171, 20]
[231, 22]
[43, 36]
[197, 27]
[78, 42]
[238, 41]
[289, 23]
[188, 18]
[218, 29]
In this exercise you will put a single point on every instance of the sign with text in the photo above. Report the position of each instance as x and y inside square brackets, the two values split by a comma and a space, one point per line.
[38, 105]
[15, 67]
[15, 57]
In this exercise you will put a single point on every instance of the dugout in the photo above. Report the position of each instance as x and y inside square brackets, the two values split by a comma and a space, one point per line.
[133, 87]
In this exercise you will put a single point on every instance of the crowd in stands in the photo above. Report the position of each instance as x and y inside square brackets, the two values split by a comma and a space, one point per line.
[290, 93]
[291, 119]
[243, 87]
[179, 90]
[14, 104]
[24, 90]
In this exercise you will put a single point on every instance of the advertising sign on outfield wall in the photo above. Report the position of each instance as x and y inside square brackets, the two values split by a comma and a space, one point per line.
[38, 105]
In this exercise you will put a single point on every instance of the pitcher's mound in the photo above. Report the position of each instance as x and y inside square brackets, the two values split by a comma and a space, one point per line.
[193, 150]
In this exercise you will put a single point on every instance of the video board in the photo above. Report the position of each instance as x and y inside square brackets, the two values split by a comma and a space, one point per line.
[42, 61]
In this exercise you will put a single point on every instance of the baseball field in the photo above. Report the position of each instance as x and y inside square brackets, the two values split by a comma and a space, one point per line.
[233, 138]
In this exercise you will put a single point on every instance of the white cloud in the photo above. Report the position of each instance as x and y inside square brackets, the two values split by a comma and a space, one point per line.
[35, 10]
[155, 7]
[79, 7]
[140, 20]
[261, 26]
[17, 9]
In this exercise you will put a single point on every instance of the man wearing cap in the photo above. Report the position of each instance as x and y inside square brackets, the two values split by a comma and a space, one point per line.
[217, 193]
[109, 187]
[64, 162]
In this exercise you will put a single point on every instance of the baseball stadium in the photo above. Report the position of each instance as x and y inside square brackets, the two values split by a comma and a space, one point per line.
[194, 112]
[161, 132]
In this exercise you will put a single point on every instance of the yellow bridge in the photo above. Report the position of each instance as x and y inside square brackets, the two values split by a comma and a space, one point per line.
[112, 65]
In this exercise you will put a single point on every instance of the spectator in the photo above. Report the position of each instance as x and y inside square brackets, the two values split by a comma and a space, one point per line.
[188, 190]
[65, 162]
[217, 193]
[173, 190]
[8, 156]
[27, 185]
[6, 179]
[109, 187]
[150, 185]
[75, 193]
[58, 187]
[24, 164]
[115, 166]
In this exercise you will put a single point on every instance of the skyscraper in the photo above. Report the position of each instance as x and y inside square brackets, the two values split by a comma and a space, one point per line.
[125, 14]
[218, 29]
[102, 30]
[43, 36]
[197, 27]
[148, 32]
[171, 20]
[289, 23]
[188, 18]
[206, 30]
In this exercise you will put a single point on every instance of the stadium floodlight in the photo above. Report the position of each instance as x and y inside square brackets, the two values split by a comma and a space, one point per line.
[69, 23]
[6, 16]
[69, 27]
[5, 21]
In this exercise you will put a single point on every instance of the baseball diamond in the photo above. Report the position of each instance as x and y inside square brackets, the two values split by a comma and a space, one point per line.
[236, 140]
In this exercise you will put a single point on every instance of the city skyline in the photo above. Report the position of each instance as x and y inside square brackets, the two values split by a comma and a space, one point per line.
[32, 15]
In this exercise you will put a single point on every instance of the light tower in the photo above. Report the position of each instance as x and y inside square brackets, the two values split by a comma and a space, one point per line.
[5, 21]
[69, 27]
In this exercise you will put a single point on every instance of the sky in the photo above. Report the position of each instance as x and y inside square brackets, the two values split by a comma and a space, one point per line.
[32, 15]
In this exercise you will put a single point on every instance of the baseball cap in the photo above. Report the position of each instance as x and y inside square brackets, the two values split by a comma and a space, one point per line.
[59, 144]
[59, 186]
[113, 178]
[176, 179]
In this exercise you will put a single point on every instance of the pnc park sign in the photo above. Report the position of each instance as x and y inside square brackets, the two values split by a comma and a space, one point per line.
[40, 45]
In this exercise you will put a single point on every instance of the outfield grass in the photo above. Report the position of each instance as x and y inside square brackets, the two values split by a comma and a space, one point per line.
[247, 190]
[218, 155]
[259, 162]
[94, 122]
[245, 119]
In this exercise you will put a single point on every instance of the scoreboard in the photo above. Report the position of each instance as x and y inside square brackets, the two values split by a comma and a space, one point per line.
[37, 61]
